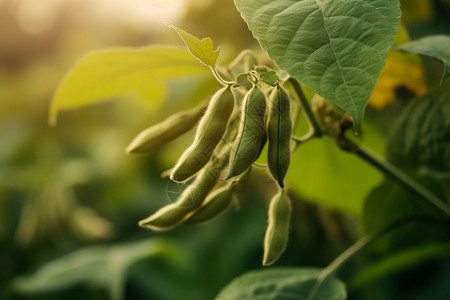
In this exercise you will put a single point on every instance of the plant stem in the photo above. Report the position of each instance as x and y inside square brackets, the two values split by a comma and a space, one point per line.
[390, 170]
[306, 106]
[300, 140]
[242, 55]
[349, 145]
[220, 79]
[356, 247]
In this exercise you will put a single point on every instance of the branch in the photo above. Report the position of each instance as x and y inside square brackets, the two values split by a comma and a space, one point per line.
[393, 172]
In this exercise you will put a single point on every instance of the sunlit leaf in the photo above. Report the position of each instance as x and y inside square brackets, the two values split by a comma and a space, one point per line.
[436, 46]
[283, 284]
[105, 266]
[201, 49]
[336, 47]
[121, 72]
[323, 173]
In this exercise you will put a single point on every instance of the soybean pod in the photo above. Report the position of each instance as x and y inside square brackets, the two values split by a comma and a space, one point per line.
[216, 202]
[193, 196]
[209, 132]
[251, 132]
[156, 136]
[279, 129]
[277, 232]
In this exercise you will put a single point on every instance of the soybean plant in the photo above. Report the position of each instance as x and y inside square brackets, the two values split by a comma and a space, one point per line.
[240, 119]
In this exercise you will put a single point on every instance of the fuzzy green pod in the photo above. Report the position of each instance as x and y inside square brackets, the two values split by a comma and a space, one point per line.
[194, 195]
[277, 233]
[216, 202]
[156, 136]
[191, 198]
[279, 129]
[209, 132]
[251, 132]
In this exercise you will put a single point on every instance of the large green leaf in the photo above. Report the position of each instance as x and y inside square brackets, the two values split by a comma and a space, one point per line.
[419, 141]
[102, 265]
[336, 47]
[435, 46]
[120, 72]
[283, 284]
[419, 145]
[401, 260]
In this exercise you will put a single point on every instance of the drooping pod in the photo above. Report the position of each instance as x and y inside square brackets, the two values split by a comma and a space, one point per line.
[215, 203]
[209, 132]
[194, 195]
[279, 129]
[251, 132]
[277, 232]
[191, 198]
[156, 136]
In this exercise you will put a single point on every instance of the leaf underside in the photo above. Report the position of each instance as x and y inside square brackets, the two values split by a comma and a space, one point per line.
[283, 284]
[435, 46]
[336, 47]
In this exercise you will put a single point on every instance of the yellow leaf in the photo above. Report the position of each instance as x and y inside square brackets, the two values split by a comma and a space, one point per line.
[402, 71]
[122, 72]
[399, 73]
[201, 49]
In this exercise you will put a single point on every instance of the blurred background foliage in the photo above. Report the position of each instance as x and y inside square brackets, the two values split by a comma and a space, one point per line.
[72, 187]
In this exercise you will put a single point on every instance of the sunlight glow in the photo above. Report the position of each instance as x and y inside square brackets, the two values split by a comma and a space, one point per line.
[36, 17]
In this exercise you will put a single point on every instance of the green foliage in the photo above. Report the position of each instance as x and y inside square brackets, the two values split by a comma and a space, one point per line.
[283, 284]
[418, 144]
[200, 49]
[105, 266]
[326, 44]
[419, 140]
[326, 175]
[116, 73]
[267, 75]
[401, 260]
[435, 46]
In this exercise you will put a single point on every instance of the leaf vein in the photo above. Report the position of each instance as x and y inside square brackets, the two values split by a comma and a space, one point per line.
[335, 55]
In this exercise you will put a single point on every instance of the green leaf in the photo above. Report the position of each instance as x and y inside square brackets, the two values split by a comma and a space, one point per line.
[336, 47]
[283, 284]
[419, 140]
[418, 145]
[267, 75]
[101, 265]
[401, 260]
[435, 46]
[120, 72]
[200, 49]
[326, 175]
[243, 80]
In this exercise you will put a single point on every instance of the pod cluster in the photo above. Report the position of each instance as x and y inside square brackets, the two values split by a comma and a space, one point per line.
[233, 128]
